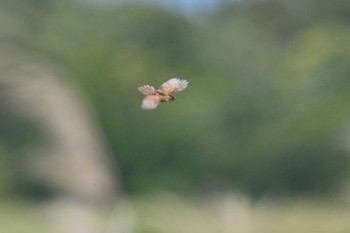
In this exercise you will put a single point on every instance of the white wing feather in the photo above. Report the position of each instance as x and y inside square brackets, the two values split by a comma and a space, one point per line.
[147, 90]
[174, 85]
[150, 102]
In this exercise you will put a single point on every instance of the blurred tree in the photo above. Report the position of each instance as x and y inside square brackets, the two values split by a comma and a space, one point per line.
[267, 100]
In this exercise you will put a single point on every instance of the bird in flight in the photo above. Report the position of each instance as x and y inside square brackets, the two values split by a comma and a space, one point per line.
[163, 94]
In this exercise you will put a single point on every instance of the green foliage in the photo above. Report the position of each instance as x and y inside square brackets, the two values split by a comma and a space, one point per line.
[267, 101]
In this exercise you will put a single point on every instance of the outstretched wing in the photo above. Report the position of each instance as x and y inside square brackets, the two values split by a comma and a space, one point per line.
[147, 90]
[173, 85]
[150, 102]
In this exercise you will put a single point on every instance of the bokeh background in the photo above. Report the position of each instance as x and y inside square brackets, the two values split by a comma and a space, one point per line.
[258, 142]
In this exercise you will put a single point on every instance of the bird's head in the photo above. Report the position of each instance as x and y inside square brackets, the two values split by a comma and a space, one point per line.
[167, 98]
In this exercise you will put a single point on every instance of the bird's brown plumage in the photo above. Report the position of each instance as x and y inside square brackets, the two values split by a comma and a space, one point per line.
[163, 94]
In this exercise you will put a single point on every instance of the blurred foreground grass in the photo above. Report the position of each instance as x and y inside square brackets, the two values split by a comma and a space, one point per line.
[19, 216]
[172, 214]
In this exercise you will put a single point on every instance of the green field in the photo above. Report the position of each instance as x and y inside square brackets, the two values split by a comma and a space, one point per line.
[168, 213]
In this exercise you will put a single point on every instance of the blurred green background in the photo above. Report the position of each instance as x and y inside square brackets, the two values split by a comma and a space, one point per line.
[267, 105]
[266, 112]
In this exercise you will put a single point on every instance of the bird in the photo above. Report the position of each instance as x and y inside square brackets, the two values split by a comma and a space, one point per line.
[162, 94]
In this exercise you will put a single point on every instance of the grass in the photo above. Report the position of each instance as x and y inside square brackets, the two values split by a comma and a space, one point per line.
[236, 214]
[167, 213]
[21, 217]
